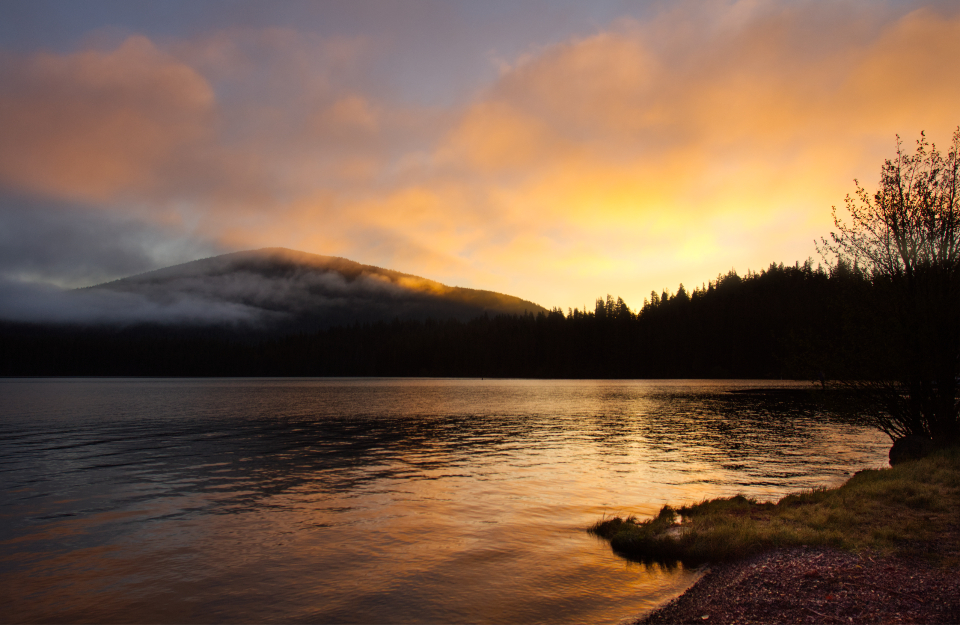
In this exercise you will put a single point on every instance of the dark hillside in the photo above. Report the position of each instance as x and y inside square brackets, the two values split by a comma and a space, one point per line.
[281, 290]
[782, 322]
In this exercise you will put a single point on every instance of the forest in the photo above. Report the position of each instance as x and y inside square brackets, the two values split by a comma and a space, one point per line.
[783, 322]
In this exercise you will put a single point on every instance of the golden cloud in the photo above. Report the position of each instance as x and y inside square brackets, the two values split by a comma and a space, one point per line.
[645, 155]
[92, 125]
[729, 152]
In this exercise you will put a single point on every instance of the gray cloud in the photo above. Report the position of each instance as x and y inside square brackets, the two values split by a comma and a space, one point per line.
[74, 245]
[38, 303]
[270, 289]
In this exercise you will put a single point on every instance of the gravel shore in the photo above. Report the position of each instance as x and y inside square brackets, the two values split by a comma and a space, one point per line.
[818, 586]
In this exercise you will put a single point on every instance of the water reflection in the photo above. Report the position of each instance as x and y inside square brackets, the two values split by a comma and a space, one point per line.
[374, 500]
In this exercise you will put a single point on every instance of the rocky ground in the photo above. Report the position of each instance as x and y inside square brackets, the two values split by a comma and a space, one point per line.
[818, 586]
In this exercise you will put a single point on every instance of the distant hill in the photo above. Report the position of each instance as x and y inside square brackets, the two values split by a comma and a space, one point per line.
[282, 289]
[281, 313]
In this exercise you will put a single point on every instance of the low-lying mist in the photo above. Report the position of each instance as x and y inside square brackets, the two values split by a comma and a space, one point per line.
[271, 290]
[39, 303]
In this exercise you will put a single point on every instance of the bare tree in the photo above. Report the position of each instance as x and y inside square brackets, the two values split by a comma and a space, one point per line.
[905, 239]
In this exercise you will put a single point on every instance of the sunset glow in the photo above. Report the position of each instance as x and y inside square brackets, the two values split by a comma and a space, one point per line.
[618, 150]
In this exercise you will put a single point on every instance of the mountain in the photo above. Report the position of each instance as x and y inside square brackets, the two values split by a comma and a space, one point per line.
[281, 289]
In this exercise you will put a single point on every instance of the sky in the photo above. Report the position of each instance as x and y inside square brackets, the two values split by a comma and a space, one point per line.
[553, 150]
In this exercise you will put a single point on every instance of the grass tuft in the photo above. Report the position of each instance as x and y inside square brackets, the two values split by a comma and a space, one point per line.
[907, 510]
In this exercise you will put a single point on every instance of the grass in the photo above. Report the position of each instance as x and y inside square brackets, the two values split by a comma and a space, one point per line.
[912, 509]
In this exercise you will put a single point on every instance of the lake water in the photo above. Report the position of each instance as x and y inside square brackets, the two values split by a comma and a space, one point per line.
[375, 500]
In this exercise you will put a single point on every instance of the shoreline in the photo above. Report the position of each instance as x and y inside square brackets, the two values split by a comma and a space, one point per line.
[884, 547]
[817, 585]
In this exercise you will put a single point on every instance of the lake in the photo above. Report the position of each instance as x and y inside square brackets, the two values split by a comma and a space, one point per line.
[377, 500]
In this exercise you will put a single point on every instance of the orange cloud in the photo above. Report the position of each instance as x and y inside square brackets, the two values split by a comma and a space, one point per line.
[93, 125]
[641, 156]
[910, 73]
[496, 137]
[727, 151]
[349, 114]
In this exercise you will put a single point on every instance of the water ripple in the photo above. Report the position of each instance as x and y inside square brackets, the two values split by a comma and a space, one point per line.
[375, 500]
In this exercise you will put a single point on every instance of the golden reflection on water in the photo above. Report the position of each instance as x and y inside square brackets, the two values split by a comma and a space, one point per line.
[374, 500]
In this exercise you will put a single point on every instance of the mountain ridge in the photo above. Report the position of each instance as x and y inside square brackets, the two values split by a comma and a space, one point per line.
[283, 287]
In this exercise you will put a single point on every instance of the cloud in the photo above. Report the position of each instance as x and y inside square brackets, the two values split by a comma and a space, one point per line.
[97, 125]
[647, 152]
[677, 147]
[40, 303]
[256, 290]
[71, 244]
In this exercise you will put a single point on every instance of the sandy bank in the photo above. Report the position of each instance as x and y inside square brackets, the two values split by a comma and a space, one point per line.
[807, 585]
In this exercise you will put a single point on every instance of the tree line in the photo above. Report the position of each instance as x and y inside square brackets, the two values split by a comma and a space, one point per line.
[767, 324]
